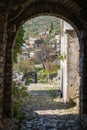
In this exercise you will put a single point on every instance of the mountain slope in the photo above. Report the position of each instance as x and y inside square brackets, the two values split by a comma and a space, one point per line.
[41, 24]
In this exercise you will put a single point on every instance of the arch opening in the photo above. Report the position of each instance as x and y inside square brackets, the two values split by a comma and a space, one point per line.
[68, 38]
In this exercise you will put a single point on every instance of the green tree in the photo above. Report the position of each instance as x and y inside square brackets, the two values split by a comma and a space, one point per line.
[18, 43]
[26, 66]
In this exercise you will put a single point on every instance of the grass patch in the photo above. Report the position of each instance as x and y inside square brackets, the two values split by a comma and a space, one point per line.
[53, 92]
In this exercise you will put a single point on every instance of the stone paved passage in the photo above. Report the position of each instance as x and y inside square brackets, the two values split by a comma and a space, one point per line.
[46, 112]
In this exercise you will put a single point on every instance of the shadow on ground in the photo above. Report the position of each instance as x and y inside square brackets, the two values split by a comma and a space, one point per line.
[53, 122]
[48, 100]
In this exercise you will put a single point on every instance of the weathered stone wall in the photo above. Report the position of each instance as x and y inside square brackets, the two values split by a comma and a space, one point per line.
[3, 36]
[8, 71]
[83, 72]
[73, 65]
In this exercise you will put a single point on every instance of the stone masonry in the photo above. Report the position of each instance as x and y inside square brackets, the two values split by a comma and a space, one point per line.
[3, 26]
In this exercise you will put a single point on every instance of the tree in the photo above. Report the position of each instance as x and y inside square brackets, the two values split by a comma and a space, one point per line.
[26, 66]
[18, 43]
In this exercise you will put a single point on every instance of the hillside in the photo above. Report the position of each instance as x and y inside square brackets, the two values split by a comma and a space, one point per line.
[41, 24]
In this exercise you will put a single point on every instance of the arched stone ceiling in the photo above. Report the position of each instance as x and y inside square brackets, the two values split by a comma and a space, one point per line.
[15, 8]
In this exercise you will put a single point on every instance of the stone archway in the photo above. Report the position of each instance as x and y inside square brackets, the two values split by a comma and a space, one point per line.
[19, 12]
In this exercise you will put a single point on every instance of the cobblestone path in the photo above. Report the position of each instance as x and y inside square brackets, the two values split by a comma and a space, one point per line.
[46, 112]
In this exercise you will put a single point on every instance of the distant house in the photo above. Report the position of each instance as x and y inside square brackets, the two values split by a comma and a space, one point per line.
[38, 43]
[24, 55]
[36, 55]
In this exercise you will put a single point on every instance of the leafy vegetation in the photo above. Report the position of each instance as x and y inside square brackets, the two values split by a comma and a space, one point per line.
[62, 57]
[26, 66]
[19, 99]
[18, 43]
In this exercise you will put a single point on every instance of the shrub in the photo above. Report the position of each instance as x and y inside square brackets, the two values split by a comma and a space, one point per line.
[19, 98]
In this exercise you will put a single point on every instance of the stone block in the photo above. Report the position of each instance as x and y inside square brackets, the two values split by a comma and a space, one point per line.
[84, 108]
[12, 28]
[0, 110]
[1, 89]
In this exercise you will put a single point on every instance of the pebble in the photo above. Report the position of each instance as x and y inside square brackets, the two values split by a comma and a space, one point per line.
[48, 123]
[45, 122]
